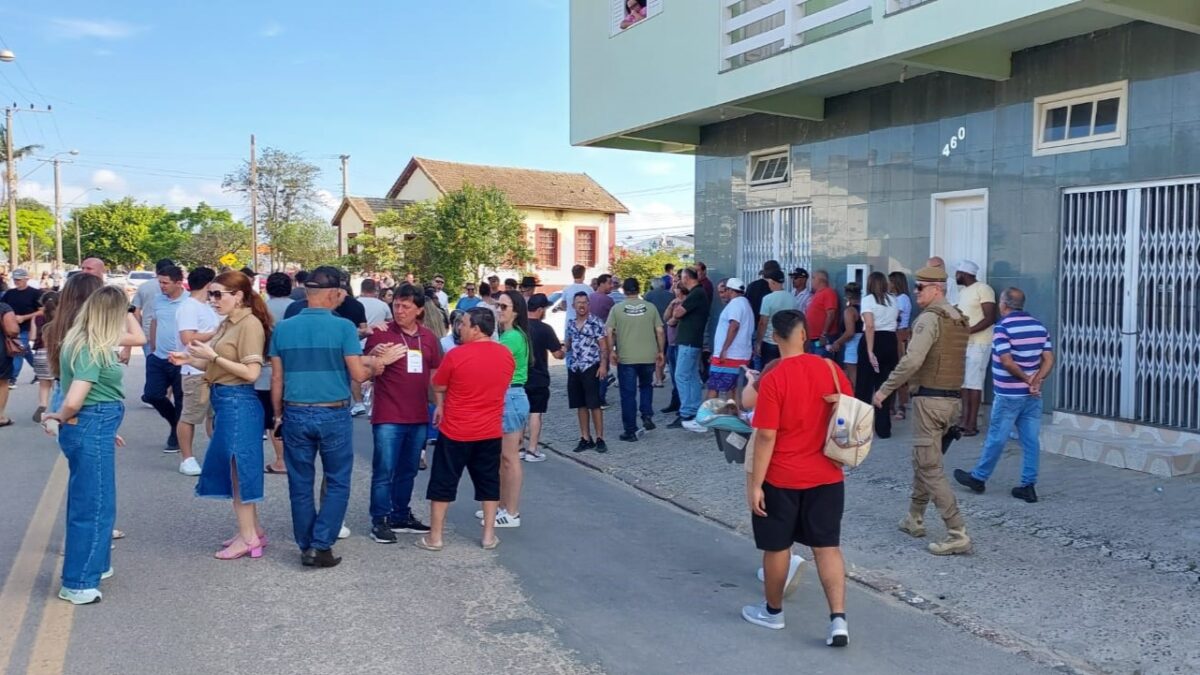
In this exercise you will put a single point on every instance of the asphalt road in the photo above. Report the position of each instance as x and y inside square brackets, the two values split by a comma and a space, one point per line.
[600, 578]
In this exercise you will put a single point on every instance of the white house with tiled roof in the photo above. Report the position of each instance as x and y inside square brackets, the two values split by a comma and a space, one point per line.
[569, 218]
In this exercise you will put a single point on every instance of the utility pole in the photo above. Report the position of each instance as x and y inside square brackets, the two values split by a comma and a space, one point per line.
[78, 248]
[58, 261]
[345, 175]
[253, 206]
[10, 180]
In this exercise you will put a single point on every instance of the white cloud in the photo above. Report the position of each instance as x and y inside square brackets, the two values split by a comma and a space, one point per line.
[104, 29]
[177, 196]
[109, 180]
[73, 196]
[650, 218]
[272, 29]
[658, 167]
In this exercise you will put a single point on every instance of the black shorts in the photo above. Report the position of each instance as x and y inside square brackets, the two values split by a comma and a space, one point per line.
[481, 459]
[539, 398]
[6, 364]
[583, 389]
[264, 397]
[812, 517]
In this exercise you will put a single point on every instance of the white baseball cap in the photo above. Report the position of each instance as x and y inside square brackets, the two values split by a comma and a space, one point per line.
[968, 267]
[735, 284]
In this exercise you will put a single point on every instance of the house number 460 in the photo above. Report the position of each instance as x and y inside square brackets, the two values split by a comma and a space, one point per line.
[954, 141]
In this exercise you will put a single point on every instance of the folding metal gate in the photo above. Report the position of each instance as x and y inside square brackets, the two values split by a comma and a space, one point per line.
[1129, 343]
[782, 234]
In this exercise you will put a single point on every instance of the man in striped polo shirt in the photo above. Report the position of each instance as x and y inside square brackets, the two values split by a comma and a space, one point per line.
[1021, 361]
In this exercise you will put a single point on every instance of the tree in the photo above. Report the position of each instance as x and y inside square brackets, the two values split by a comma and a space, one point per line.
[117, 231]
[645, 266]
[306, 243]
[36, 224]
[287, 192]
[464, 233]
[382, 248]
[211, 233]
[18, 152]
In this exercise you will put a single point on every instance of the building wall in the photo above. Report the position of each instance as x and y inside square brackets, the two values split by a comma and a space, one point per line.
[870, 168]
[567, 223]
[419, 188]
[351, 224]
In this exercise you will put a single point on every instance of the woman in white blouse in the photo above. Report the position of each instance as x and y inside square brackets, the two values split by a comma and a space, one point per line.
[878, 352]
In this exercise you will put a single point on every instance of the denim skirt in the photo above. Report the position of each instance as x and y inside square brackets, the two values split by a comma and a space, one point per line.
[236, 445]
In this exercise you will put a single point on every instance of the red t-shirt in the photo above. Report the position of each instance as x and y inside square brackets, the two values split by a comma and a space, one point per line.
[402, 397]
[791, 401]
[821, 302]
[476, 376]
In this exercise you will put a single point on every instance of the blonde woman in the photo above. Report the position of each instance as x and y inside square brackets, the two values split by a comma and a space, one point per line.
[86, 424]
[232, 361]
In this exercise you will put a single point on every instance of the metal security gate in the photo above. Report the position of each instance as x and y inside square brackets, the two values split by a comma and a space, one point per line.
[782, 234]
[1129, 308]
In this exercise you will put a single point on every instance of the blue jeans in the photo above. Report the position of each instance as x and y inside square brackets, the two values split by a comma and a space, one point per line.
[161, 376]
[637, 387]
[23, 336]
[393, 470]
[1026, 413]
[90, 449]
[687, 379]
[672, 358]
[308, 432]
[236, 445]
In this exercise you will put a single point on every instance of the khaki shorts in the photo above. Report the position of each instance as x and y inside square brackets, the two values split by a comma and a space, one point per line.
[979, 357]
[195, 400]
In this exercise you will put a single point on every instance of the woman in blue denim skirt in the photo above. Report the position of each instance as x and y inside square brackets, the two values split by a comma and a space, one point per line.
[86, 425]
[232, 360]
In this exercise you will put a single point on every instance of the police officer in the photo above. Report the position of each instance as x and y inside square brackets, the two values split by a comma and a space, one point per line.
[933, 368]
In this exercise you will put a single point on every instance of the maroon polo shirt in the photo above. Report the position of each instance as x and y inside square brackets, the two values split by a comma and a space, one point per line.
[402, 397]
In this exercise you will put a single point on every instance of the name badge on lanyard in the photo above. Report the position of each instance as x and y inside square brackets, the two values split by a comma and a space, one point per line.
[414, 360]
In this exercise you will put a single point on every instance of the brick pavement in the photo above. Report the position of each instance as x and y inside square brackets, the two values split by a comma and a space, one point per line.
[1102, 574]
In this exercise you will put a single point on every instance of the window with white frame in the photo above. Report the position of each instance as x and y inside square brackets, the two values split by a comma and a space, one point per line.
[1084, 119]
[770, 167]
[628, 13]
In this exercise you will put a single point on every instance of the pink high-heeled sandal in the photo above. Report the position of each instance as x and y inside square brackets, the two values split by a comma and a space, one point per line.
[262, 539]
[253, 549]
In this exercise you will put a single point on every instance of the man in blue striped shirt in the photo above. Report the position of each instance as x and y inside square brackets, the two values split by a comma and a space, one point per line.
[1021, 360]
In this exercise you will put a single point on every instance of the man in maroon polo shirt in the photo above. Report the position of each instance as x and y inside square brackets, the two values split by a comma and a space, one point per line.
[400, 415]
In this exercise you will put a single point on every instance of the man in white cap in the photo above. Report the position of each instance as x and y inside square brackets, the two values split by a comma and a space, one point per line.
[26, 303]
[977, 301]
[733, 341]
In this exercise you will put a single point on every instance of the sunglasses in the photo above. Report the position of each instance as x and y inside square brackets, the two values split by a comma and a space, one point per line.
[217, 295]
[500, 306]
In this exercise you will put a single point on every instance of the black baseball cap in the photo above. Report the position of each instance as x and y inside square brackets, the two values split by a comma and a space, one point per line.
[324, 276]
[775, 275]
[799, 272]
[538, 301]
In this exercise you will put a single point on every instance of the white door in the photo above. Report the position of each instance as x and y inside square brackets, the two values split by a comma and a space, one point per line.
[960, 232]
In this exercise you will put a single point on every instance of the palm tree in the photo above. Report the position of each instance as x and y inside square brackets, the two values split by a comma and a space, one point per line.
[18, 153]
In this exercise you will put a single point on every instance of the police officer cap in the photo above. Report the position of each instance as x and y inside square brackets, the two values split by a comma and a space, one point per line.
[931, 274]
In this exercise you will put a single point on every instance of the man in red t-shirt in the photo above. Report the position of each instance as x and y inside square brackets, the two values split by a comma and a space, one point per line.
[821, 317]
[469, 390]
[400, 415]
[796, 493]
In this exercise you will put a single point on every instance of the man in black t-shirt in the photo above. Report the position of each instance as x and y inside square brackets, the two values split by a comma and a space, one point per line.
[26, 303]
[537, 387]
[692, 318]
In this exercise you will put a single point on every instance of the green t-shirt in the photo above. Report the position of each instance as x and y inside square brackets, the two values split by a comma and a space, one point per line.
[774, 303]
[515, 340]
[634, 323]
[690, 332]
[106, 380]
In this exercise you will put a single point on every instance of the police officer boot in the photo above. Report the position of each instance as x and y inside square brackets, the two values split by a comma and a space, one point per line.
[956, 541]
[914, 523]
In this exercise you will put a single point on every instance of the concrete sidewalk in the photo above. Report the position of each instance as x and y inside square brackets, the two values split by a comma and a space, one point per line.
[1102, 573]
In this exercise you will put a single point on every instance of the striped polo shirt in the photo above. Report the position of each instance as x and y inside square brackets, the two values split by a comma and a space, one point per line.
[313, 346]
[1024, 338]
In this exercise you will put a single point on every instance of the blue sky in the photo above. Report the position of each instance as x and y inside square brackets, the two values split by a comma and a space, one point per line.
[160, 98]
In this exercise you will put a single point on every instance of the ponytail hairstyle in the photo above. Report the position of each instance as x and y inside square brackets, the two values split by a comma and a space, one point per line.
[237, 281]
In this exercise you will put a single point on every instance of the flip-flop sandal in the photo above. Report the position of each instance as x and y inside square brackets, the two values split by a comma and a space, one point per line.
[422, 544]
[6, 423]
[270, 469]
[489, 545]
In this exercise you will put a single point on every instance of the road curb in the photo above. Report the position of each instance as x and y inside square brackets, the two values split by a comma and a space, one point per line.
[873, 581]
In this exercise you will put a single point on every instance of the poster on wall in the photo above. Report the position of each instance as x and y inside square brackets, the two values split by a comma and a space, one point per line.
[628, 13]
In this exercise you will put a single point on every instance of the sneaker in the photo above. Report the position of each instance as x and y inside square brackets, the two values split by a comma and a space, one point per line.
[628, 436]
[677, 423]
[604, 405]
[12, 384]
[648, 423]
[601, 446]
[383, 534]
[694, 426]
[189, 467]
[759, 616]
[358, 410]
[793, 577]
[584, 444]
[669, 409]
[107, 574]
[964, 478]
[839, 633]
[534, 457]
[344, 532]
[1025, 492]
[171, 447]
[610, 380]
[504, 519]
[410, 526]
[521, 454]
[85, 596]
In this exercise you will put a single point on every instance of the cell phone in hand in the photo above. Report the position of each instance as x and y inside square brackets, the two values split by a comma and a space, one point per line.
[279, 431]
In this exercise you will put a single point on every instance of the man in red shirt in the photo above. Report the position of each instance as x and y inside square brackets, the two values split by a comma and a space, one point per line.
[821, 317]
[400, 415]
[469, 390]
[796, 493]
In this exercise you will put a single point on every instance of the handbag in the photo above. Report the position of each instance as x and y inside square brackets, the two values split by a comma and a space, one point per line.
[851, 426]
[13, 346]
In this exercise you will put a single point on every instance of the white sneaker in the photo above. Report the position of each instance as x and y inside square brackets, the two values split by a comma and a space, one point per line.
[107, 574]
[344, 532]
[839, 633]
[759, 616]
[82, 597]
[504, 519]
[793, 579]
[189, 467]
[693, 425]
[357, 410]
[533, 459]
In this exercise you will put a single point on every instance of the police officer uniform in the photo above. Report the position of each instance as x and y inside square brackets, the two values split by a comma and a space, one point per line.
[933, 369]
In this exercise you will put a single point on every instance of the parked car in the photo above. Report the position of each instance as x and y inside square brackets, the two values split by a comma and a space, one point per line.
[138, 277]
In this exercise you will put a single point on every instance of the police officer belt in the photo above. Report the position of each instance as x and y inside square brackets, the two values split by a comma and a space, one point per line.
[938, 393]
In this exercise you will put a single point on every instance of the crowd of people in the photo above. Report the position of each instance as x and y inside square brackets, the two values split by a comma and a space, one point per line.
[471, 375]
